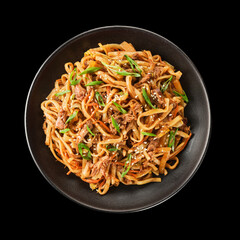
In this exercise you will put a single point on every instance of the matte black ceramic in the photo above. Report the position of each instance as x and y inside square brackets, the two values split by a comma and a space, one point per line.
[122, 198]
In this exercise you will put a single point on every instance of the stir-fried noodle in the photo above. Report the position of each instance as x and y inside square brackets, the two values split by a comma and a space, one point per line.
[117, 115]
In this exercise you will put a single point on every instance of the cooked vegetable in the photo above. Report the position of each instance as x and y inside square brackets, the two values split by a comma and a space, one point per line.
[171, 141]
[184, 96]
[62, 93]
[119, 107]
[94, 83]
[148, 134]
[99, 99]
[73, 81]
[80, 149]
[72, 117]
[120, 71]
[133, 64]
[125, 171]
[111, 149]
[64, 130]
[165, 85]
[115, 124]
[90, 70]
[89, 130]
[144, 93]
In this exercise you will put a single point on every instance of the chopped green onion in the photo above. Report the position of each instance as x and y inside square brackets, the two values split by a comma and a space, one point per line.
[165, 85]
[115, 124]
[112, 149]
[171, 141]
[125, 73]
[64, 130]
[129, 157]
[148, 134]
[111, 67]
[62, 93]
[120, 70]
[184, 96]
[89, 130]
[72, 117]
[133, 64]
[90, 70]
[80, 149]
[74, 81]
[144, 93]
[71, 74]
[94, 83]
[119, 108]
[99, 99]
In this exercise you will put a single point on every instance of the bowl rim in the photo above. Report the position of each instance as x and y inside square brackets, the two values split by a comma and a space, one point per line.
[203, 151]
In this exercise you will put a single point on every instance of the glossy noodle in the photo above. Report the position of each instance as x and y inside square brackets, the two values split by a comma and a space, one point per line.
[117, 116]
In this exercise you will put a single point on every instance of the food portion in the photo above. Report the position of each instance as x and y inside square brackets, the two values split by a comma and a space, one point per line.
[117, 116]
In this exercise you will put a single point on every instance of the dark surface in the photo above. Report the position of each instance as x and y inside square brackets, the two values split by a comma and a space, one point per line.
[122, 198]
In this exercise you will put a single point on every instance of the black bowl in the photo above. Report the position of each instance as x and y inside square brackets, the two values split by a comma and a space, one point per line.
[123, 198]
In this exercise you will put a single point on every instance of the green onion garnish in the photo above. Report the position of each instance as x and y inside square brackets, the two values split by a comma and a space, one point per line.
[111, 149]
[115, 124]
[62, 93]
[119, 108]
[184, 96]
[125, 73]
[89, 130]
[99, 99]
[171, 141]
[94, 83]
[71, 74]
[120, 70]
[133, 64]
[165, 85]
[72, 117]
[90, 70]
[129, 157]
[74, 81]
[64, 130]
[80, 149]
[144, 93]
[148, 134]
[111, 67]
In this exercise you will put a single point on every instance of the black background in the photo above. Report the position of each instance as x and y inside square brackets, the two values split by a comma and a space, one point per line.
[197, 30]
